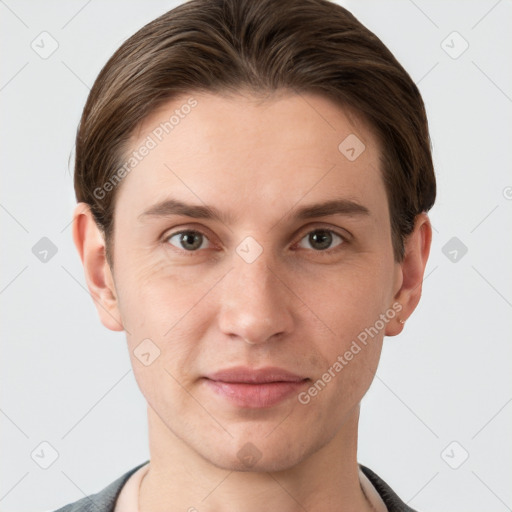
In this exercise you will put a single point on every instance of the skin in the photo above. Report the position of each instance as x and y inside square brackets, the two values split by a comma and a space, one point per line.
[296, 306]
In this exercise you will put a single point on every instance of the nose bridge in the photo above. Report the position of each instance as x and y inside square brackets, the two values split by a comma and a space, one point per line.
[255, 302]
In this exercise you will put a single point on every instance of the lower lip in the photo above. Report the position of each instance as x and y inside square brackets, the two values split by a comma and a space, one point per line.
[254, 396]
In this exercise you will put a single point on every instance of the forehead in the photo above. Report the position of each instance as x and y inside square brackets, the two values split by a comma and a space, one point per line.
[240, 151]
[221, 116]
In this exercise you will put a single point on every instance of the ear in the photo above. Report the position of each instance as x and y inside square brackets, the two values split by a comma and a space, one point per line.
[90, 244]
[411, 271]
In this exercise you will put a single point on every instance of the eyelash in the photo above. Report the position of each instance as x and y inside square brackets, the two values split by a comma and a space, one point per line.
[325, 252]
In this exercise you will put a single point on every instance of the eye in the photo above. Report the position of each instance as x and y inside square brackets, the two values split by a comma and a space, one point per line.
[322, 239]
[189, 240]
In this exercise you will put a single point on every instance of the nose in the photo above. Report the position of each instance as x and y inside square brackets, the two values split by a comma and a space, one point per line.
[255, 301]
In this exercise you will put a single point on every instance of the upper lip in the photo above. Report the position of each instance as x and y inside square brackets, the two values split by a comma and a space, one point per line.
[245, 374]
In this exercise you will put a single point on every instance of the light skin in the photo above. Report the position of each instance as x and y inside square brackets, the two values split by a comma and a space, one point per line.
[296, 306]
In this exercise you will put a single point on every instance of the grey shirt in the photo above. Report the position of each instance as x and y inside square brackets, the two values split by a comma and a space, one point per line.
[105, 500]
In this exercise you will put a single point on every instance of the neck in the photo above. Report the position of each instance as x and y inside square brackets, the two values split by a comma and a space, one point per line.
[179, 479]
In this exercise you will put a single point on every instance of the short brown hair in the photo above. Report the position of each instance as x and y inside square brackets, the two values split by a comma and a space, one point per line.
[264, 46]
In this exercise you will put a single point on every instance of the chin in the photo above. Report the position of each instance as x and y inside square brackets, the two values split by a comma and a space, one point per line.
[260, 455]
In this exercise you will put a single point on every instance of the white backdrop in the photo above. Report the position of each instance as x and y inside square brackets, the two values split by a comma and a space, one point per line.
[436, 423]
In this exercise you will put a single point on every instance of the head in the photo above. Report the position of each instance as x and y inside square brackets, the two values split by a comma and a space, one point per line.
[254, 114]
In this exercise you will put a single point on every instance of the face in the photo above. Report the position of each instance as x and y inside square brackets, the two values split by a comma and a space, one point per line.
[258, 279]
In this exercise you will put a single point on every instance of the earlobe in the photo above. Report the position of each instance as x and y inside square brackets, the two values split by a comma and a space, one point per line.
[90, 244]
[412, 270]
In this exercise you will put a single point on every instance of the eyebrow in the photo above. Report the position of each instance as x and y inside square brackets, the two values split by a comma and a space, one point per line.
[171, 207]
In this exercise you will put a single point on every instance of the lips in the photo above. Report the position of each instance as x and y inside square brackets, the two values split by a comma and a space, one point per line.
[255, 388]
[255, 376]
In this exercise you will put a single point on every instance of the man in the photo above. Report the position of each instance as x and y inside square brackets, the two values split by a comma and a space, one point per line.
[253, 181]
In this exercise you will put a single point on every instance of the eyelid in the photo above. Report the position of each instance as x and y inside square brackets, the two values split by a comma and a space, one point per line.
[343, 233]
[326, 253]
[176, 231]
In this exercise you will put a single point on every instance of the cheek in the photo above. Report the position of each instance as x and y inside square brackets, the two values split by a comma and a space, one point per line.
[347, 309]
[349, 300]
[348, 364]
[152, 294]
[163, 312]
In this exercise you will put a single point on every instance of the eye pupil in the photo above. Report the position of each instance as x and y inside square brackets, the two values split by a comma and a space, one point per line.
[188, 237]
[324, 238]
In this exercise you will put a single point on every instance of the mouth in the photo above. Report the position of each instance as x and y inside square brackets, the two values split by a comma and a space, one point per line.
[255, 388]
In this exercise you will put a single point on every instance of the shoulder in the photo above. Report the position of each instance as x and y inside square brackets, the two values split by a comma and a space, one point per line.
[102, 501]
[389, 497]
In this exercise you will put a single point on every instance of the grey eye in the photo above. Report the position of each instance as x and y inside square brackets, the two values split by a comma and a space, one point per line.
[188, 240]
[321, 239]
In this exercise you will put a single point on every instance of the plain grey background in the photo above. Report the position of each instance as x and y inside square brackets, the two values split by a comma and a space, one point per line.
[436, 422]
